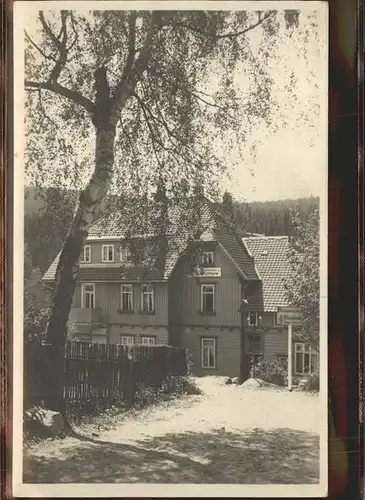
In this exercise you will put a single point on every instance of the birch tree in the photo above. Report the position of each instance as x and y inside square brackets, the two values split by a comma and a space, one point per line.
[118, 100]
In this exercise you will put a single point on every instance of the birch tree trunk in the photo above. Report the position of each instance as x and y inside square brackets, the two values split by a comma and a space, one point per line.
[88, 207]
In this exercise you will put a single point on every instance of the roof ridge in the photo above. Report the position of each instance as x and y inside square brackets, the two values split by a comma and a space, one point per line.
[265, 237]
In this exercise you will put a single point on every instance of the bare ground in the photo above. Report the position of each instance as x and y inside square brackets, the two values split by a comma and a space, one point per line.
[230, 434]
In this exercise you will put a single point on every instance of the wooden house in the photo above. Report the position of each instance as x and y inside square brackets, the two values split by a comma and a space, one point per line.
[205, 288]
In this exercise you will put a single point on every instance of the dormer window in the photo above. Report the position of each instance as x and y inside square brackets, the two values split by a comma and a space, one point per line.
[208, 258]
[125, 255]
[107, 253]
[86, 254]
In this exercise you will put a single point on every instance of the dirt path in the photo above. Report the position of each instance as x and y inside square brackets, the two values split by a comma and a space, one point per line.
[228, 435]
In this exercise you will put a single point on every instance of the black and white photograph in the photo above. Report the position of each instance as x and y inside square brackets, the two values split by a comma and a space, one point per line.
[170, 249]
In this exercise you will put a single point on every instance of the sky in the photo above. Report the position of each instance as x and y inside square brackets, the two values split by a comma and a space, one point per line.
[290, 161]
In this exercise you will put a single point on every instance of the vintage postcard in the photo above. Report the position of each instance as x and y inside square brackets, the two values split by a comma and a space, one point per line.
[170, 239]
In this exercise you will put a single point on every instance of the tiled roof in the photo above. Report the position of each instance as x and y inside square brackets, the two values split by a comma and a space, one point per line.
[178, 236]
[50, 274]
[270, 255]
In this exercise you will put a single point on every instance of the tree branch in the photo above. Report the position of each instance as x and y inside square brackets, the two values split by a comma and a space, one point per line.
[48, 30]
[175, 149]
[60, 42]
[131, 46]
[32, 42]
[127, 84]
[225, 35]
[72, 95]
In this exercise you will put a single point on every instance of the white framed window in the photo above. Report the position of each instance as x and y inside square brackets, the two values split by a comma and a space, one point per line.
[208, 258]
[125, 255]
[208, 351]
[254, 344]
[88, 295]
[148, 341]
[207, 300]
[306, 359]
[147, 298]
[126, 298]
[253, 319]
[86, 254]
[107, 253]
[127, 340]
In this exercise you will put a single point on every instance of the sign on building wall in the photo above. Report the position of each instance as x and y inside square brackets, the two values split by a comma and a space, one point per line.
[208, 272]
[289, 315]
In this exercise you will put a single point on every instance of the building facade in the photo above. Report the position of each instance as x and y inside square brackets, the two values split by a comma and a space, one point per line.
[216, 294]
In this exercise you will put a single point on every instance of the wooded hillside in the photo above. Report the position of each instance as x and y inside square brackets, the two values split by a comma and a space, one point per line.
[274, 218]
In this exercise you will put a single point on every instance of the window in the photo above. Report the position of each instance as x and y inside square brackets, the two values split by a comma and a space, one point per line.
[253, 319]
[125, 254]
[107, 253]
[254, 344]
[88, 295]
[126, 298]
[208, 298]
[208, 353]
[86, 254]
[148, 341]
[306, 359]
[127, 340]
[208, 258]
[147, 298]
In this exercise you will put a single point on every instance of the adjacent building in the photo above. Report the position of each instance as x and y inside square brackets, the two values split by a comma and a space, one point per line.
[202, 286]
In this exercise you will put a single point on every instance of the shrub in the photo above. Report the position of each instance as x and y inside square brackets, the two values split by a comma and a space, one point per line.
[172, 387]
[312, 382]
[272, 371]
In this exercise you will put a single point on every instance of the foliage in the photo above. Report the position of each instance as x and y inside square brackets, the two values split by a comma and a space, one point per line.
[36, 301]
[177, 111]
[302, 284]
[46, 229]
[312, 382]
[172, 387]
[272, 371]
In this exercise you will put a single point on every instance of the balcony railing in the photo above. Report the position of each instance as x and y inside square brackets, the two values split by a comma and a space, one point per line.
[84, 315]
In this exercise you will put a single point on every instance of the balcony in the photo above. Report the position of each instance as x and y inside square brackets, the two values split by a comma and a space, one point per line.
[84, 315]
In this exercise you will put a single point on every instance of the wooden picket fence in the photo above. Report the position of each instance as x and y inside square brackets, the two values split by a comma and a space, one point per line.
[99, 375]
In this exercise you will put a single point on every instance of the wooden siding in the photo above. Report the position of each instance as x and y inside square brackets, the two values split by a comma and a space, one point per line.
[185, 295]
[276, 343]
[228, 348]
[107, 297]
[77, 296]
[160, 334]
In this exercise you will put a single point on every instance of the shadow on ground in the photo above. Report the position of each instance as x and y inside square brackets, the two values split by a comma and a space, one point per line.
[259, 456]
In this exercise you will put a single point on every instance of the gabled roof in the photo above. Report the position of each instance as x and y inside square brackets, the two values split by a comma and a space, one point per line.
[270, 255]
[177, 238]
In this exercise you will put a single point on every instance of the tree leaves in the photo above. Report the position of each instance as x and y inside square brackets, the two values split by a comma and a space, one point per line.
[183, 112]
[303, 284]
